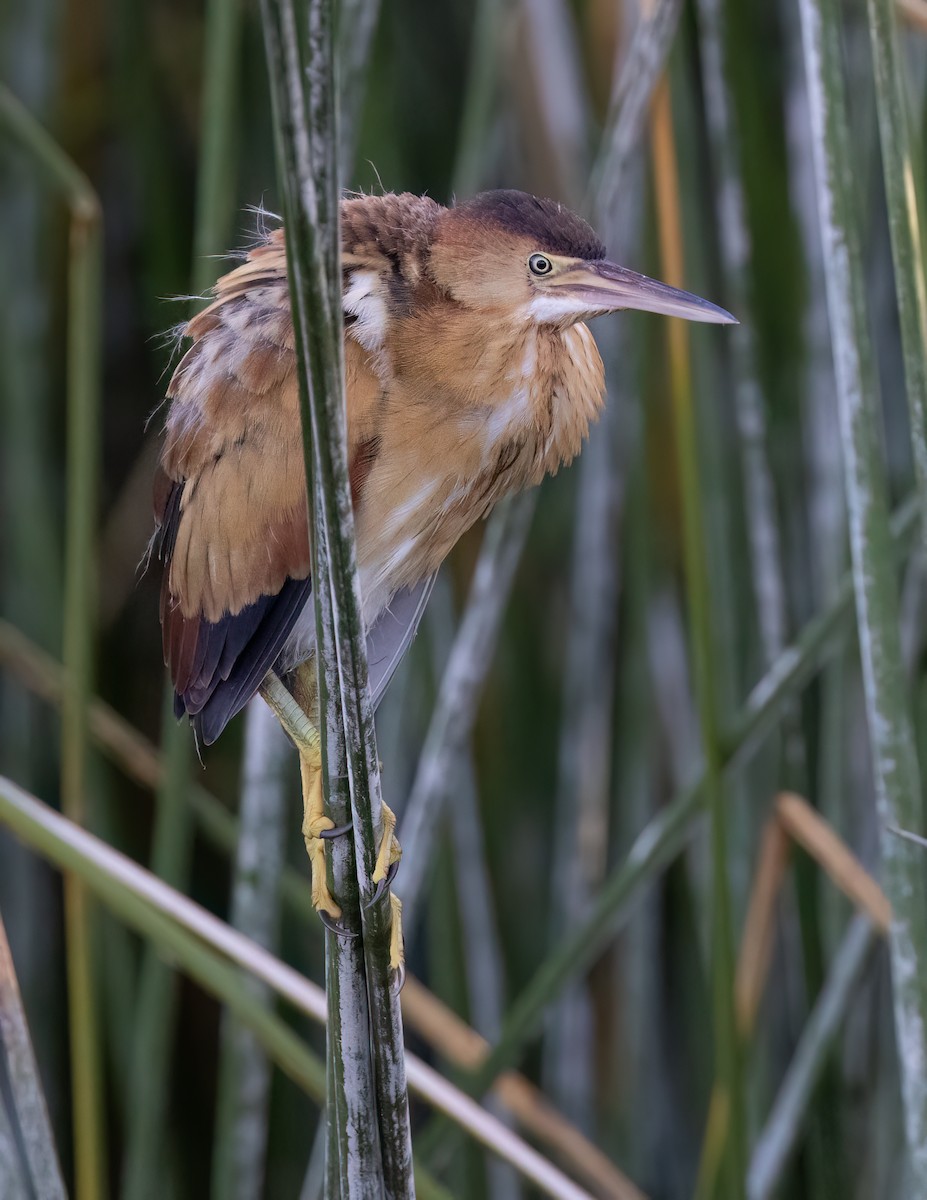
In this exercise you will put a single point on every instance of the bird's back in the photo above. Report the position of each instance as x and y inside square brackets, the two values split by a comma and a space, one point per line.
[230, 501]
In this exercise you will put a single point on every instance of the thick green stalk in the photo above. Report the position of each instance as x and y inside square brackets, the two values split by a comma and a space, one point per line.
[85, 276]
[305, 111]
[898, 785]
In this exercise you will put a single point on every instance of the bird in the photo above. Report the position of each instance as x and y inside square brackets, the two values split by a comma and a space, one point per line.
[470, 373]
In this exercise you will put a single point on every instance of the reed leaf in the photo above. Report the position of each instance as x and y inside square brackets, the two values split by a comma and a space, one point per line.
[897, 776]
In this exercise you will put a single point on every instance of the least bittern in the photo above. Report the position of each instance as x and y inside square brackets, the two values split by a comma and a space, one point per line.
[470, 374]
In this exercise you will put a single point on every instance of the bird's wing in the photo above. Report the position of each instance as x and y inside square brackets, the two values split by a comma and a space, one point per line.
[230, 500]
[392, 634]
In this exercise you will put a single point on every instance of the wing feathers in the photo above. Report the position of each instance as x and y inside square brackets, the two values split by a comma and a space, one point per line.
[230, 494]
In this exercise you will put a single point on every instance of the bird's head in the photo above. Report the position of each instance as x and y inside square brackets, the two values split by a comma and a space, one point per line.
[507, 250]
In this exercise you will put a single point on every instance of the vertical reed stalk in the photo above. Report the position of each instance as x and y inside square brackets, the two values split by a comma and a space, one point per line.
[898, 786]
[85, 281]
[305, 102]
[239, 1158]
[726, 1048]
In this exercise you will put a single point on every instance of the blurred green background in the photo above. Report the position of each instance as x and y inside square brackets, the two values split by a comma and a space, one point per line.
[590, 717]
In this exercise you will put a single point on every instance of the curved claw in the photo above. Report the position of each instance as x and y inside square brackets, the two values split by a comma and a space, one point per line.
[336, 831]
[400, 981]
[383, 885]
[332, 925]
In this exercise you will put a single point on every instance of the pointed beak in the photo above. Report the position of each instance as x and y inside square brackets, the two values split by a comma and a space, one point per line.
[606, 287]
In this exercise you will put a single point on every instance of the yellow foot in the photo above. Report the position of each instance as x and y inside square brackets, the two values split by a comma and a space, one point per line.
[397, 950]
[390, 851]
[298, 714]
[314, 823]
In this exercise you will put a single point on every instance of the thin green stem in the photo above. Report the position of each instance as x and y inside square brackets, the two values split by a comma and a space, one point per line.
[215, 184]
[698, 591]
[85, 283]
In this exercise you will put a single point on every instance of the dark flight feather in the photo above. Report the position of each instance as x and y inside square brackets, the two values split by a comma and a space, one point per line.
[217, 666]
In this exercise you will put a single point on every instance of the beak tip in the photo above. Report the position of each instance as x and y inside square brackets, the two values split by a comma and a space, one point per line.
[711, 314]
[627, 289]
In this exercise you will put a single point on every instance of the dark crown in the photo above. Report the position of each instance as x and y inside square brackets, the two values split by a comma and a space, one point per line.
[551, 226]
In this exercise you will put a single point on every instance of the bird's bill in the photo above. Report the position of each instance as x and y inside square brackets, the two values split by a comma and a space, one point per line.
[606, 287]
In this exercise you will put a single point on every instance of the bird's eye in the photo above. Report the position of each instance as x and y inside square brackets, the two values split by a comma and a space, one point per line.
[540, 264]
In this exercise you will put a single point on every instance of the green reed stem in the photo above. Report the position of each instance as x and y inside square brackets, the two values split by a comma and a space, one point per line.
[85, 285]
[897, 775]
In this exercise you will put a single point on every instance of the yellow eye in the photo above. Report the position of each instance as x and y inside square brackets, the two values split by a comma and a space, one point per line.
[540, 264]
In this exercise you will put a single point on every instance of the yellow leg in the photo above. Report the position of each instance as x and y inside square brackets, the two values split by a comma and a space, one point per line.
[297, 716]
[299, 726]
[314, 822]
[390, 851]
[397, 949]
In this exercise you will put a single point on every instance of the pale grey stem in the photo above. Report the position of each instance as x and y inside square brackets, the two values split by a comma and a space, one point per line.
[827, 508]
[244, 1070]
[584, 761]
[784, 1126]
[483, 960]
[585, 746]
[12, 1183]
[482, 952]
[547, 77]
[648, 52]
[897, 773]
[314, 1181]
[672, 684]
[44, 1169]
[476, 120]
[458, 699]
